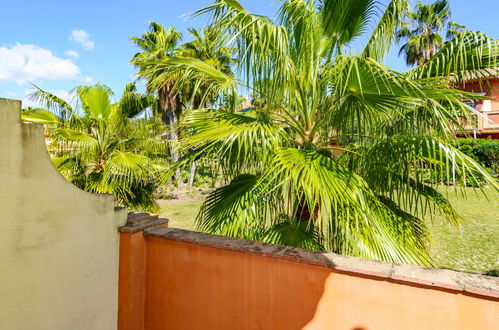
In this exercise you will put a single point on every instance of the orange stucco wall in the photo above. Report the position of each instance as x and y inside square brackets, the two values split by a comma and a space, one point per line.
[132, 281]
[218, 289]
[487, 125]
[494, 92]
[351, 302]
[489, 87]
[192, 286]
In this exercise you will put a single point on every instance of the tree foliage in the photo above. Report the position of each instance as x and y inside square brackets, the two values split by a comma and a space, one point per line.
[333, 153]
[421, 31]
[99, 147]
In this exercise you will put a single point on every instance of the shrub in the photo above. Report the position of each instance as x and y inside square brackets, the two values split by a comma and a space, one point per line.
[167, 196]
[486, 152]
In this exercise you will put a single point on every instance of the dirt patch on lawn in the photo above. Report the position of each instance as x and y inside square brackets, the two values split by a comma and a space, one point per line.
[185, 197]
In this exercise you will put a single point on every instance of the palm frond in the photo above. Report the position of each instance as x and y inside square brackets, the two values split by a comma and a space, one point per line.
[232, 210]
[180, 71]
[96, 101]
[41, 116]
[382, 37]
[261, 45]
[467, 54]
[341, 205]
[52, 103]
[344, 20]
[133, 103]
[69, 134]
[291, 232]
[240, 141]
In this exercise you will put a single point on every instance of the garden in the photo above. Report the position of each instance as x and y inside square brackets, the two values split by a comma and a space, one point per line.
[278, 129]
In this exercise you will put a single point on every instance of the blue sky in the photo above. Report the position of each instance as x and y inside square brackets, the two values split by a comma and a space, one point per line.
[61, 44]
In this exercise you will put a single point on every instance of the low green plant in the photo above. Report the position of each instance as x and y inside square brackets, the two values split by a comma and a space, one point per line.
[484, 151]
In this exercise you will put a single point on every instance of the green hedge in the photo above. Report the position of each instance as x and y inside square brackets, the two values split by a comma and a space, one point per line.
[486, 152]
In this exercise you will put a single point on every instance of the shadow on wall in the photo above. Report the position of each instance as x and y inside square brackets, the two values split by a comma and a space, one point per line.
[198, 281]
[217, 289]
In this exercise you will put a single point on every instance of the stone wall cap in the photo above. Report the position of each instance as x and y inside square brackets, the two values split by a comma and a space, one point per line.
[141, 221]
[442, 279]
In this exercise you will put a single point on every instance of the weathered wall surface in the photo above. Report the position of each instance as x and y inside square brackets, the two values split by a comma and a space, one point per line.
[199, 281]
[58, 244]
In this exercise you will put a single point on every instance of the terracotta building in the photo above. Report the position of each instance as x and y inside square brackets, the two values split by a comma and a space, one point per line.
[487, 124]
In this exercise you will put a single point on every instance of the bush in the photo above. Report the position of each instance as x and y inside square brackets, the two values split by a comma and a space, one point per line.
[204, 177]
[164, 195]
[485, 152]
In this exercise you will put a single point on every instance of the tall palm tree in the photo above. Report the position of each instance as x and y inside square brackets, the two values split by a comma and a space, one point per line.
[422, 31]
[208, 46]
[157, 64]
[336, 157]
[156, 44]
[97, 147]
[207, 49]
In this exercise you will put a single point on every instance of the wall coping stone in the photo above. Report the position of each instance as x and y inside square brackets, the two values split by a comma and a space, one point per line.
[466, 283]
[141, 221]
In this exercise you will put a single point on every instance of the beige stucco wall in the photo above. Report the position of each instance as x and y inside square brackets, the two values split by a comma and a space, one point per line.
[58, 244]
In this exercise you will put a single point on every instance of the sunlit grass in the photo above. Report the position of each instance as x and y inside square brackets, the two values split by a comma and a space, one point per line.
[182, 212]
[472, 248]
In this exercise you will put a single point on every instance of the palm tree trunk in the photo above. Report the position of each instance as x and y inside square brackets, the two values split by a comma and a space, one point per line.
[168, 104]
[196, 105]
[303, 212]
[192, 174]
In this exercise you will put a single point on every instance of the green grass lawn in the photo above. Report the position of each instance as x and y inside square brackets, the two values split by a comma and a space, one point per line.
[474, 247]
[182, 212]
[471, 248]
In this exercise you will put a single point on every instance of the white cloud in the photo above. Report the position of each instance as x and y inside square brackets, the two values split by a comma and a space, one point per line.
[27, 103]
[62, 94]
[72, 53]
[23, 62]
[88, 80]
[82, 38]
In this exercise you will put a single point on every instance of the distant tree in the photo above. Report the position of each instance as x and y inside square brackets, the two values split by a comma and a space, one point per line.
[422, 31]
[156, 44]
[455, 29]
[208, 46]
[161, 66]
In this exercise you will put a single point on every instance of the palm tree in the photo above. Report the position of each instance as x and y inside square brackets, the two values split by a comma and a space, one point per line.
[454, 29]
[97, 147]
[336, 157]
[422, 31]
[157, 64]
[207, 49]
[156, 44]
[208, 46]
